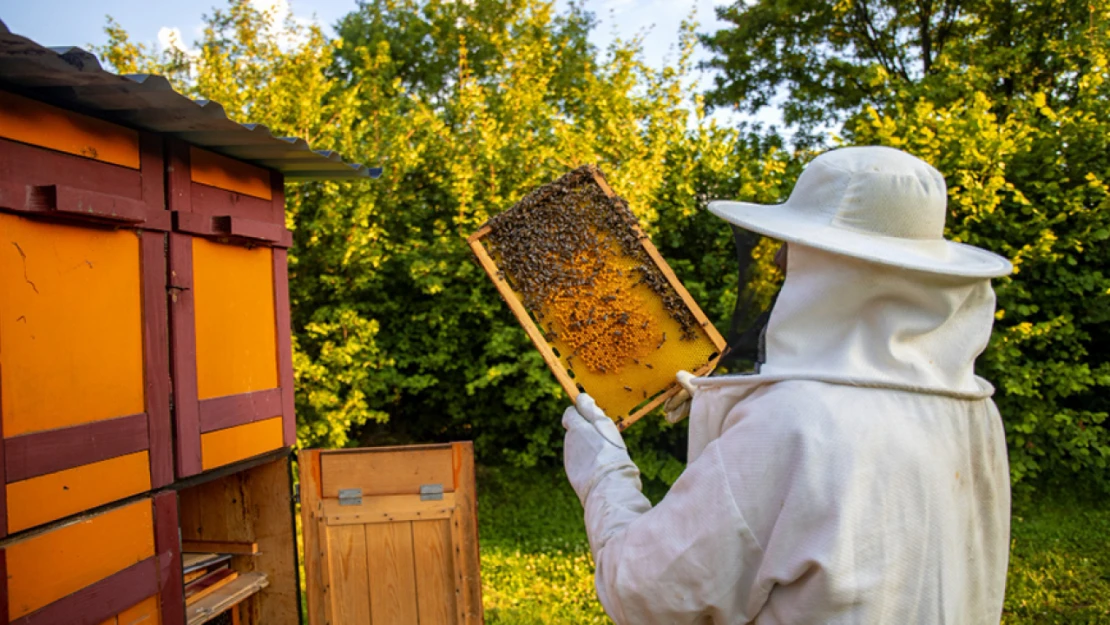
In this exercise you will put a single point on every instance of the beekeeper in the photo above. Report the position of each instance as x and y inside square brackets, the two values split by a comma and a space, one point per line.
[861, 475]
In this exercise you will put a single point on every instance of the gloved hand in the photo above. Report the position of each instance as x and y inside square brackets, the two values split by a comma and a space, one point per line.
[593, 446]
[677, 407]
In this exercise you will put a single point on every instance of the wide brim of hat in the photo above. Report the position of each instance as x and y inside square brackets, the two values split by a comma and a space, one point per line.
[938, 256]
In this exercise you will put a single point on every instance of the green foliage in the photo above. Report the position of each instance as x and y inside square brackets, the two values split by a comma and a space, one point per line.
[1055, 575]
[1009, 101]
[399, 336]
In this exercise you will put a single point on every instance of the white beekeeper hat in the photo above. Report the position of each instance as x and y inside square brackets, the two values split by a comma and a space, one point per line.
[874, 203]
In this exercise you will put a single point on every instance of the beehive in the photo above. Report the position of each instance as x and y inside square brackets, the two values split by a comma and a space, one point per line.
[597, 299]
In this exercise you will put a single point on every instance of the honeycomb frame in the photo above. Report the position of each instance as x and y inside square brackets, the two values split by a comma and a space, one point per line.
[543, 344]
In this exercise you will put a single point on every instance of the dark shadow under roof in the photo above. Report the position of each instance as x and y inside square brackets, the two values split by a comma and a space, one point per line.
[73, 78]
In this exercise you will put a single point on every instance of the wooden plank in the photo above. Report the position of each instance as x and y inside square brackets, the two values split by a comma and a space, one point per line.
[25, 165]
[100, 600]
[184, 364]
[315, 565]
[521, 314]
[29, 121]
[387, 509]
[223, 172]
[41, 453]
[238, 230]
[233, 295]
[231, 410]
[392, 573]
[156, 353]
[72, 325]
[226, 446]
[215, 546]
[465, 535]
[326, 589]
[82, 203]
[215, 202]
[284, 329]
[152, 165]
[53, 496]
[269, 510]
[220, 601]
[435, 572]
[394, 472]
[209, 584]
[191, 560]
[351, 593]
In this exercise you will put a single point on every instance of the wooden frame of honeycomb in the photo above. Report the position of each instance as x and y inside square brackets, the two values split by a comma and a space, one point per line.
[601, 305]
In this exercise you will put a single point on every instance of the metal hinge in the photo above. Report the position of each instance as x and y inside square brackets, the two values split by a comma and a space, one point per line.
[431, 492]
[350, 496]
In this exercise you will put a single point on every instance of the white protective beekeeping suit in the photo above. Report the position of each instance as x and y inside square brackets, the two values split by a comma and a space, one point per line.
[861, 476]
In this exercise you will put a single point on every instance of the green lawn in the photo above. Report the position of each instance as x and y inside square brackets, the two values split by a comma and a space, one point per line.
[536, 566]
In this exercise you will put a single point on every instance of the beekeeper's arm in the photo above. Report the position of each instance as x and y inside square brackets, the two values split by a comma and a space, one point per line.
[689, 557]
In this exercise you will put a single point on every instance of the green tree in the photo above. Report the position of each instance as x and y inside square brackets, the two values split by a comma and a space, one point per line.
[1009, 100]
[399, 336]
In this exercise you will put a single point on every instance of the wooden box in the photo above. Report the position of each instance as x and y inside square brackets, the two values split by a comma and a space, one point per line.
[391, 535]
[84, 371]
[229, 304]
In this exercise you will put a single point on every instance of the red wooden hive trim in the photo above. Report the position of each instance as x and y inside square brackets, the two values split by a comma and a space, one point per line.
[39, 453]
[184, 359]
[71, 188]
[225, 412]
[156, 358]
[167, 545]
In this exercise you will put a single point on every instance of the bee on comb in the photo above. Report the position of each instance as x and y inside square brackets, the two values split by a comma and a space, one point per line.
[595, 296]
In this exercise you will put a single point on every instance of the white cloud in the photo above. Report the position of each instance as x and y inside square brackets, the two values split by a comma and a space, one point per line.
[277, 11]
[169, 37]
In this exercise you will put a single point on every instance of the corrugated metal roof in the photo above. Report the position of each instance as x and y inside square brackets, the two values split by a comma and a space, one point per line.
[73, 78]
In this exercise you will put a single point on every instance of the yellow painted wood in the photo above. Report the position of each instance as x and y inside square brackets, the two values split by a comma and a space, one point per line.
[46, 567]
[29, 121]
[217, 170]
[56, 495]
[233, 291]
[70, 325]
[240, 442]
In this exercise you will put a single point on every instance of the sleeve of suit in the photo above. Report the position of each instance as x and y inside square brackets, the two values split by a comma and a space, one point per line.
[690, 557]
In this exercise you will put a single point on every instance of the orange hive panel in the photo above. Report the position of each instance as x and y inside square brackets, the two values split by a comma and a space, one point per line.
[71, 332]
[603, 307]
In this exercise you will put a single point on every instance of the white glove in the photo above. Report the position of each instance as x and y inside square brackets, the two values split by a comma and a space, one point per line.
[593, 446]
[677, 407]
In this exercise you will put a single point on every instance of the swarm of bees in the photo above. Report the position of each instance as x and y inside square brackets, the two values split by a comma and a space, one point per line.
[573, 254]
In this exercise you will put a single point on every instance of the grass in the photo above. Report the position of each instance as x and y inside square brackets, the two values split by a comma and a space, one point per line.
[537, 569]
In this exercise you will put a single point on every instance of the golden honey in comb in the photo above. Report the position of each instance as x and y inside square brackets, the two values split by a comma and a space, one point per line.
[574, 255]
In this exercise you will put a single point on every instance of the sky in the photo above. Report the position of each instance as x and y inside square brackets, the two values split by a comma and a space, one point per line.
[81, 23]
